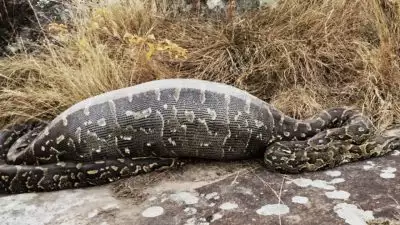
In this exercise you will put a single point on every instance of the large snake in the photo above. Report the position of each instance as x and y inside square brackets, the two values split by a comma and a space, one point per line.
[153, 125]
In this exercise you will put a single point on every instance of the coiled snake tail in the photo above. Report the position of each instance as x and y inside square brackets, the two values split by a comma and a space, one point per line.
[66, 175]
[23, 178]
[352, 139]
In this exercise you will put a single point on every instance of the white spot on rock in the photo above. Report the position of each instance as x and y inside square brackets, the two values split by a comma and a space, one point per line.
[93, 213]
[303, 182]
[388, 173]
[185, 197]
[369, 165]
[153, 211]
[153, 198]
[337, 180]
[300, 199]
[228, 206]
[216, 216]
[352, 215]
[337, 194]
[194, 221]
[190, 211]
[273, 209]
[191, 221]
[213, 195]
[333, 173]
[246, 191]
[396, 153]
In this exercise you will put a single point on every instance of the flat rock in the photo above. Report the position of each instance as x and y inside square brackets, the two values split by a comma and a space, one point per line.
[224, 194]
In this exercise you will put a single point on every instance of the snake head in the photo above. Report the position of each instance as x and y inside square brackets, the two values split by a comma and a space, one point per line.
[392, 130]
[394, 144]
[22, 149]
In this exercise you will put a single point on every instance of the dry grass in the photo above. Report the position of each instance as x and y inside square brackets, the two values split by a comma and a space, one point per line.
[302, 56]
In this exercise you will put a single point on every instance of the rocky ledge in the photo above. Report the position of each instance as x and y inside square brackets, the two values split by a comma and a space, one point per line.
[365, 192]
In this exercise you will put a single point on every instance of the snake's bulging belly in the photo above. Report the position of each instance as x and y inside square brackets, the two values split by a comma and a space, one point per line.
[199, 119]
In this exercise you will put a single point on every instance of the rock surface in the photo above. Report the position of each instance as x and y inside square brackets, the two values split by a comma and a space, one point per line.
[223, 193]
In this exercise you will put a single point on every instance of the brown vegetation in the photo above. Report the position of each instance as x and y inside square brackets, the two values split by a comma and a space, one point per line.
[302, 56]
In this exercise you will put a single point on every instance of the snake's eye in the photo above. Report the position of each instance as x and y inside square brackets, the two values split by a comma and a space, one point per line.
[286, 151]
[394, 146]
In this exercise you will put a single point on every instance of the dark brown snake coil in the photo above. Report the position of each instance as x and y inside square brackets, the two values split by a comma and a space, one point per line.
[150, 126]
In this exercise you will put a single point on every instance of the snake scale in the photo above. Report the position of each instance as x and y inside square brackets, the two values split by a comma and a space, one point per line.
[151, 126]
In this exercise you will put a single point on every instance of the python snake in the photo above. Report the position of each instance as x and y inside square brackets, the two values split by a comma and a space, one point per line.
[153, 125]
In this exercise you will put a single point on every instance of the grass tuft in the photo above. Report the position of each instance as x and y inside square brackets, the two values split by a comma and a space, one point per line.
[302, 56]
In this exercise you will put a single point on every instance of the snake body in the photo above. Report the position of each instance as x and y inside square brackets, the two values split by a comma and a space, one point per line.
[152, 125]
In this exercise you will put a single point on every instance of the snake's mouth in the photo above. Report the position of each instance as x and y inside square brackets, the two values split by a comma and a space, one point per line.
[20, 150]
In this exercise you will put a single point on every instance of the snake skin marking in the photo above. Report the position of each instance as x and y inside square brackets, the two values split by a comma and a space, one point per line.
[296, 126]
[130, 97]
[78, 134]
[140, 114]
[190, 116]
[177, 93]
[238, 114]
[46, 131]
[247, 106]
[212, 113]
[87, 123]
[258, 123]
[157, 92]
[65, 121]
[126, 138]
[174, 111]
[91, 172]
[171, 141]
[60, 139]
[202, 95]
[101, 122]
[86, 110]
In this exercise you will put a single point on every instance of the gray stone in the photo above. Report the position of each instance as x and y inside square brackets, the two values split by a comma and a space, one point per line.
[224, 193]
